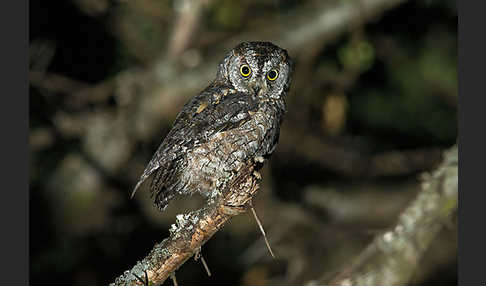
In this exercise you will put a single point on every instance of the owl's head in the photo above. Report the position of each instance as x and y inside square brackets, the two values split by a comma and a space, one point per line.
[258, 68]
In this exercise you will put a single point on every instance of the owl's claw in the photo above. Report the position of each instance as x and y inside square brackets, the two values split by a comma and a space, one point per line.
[232, 210]
[257, 175]
[259, 159]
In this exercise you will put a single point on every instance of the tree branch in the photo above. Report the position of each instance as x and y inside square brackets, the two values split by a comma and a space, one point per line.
[393, 256]
[352, 161]
[186, 26]
[192, 230]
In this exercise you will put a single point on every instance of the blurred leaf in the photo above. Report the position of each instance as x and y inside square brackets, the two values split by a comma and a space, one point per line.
[228, 14]
[334, 112]
[421, 84]
[357, 56]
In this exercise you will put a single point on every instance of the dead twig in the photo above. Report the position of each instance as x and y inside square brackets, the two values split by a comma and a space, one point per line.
[199, 256]
[263, 231]
[55, 82]
[174, 280]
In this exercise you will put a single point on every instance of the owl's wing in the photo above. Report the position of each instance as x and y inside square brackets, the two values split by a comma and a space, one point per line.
[214, 110]
[212, 117]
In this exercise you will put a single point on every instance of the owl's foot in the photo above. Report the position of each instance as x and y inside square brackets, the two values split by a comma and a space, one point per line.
[232, 210]
[258, 164]
[259, 159]
[257, 175]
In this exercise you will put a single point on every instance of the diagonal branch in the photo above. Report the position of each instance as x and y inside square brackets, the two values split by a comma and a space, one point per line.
[393, 256]
[192, 230]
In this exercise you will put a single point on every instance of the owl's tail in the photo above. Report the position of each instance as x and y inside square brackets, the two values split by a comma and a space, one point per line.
[136, 187]
[161, 189]
[149, 170]
[152, 166]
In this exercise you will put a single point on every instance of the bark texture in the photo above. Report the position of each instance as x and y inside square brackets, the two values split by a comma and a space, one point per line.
[192, 230]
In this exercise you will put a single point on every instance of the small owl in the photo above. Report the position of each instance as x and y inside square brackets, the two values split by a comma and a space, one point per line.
[233, 122]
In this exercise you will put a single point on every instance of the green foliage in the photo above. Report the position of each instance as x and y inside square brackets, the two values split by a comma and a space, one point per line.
[228, 14]
[406, 113]
[357, 56]
[418, 95]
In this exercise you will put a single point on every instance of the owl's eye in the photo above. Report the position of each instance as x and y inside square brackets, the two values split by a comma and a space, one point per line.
[272, 75]
[245, 70]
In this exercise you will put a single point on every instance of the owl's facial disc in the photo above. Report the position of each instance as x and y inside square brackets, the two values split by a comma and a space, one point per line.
[258, 68]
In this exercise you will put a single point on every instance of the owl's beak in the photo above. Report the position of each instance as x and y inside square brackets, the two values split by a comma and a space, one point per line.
[257, 86]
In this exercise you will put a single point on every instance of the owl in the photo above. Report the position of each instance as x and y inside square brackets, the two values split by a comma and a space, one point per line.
[233, 122]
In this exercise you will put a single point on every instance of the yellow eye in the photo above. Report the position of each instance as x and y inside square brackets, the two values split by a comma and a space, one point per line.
[272, 75]
[245, 70]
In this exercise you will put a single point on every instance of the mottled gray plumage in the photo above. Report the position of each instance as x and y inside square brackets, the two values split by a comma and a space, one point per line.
[234, 121]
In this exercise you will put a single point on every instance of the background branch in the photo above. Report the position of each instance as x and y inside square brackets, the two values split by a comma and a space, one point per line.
[353, 160]
[393, 256]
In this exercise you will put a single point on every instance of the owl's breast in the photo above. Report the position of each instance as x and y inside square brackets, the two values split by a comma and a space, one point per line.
[225, 153]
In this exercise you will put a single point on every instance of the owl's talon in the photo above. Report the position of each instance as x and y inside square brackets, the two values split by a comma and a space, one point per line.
[257, 175]
[259, 159]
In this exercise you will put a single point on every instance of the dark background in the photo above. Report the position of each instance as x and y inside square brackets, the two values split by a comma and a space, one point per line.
[371, 106]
